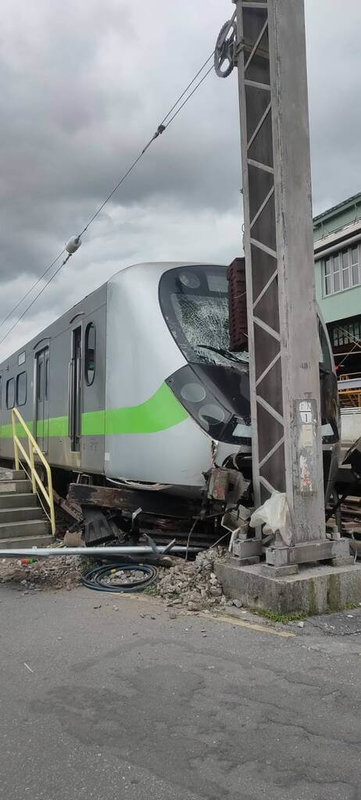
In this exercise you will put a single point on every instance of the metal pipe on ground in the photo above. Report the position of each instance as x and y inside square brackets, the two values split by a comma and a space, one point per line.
[45, 552]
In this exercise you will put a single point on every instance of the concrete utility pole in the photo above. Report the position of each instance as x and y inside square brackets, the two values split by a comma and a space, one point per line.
[269, 49]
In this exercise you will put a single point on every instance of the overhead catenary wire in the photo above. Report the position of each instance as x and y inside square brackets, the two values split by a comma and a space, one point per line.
[35, 298]
[188, 87]
[166, 121]
[161, 128]
[48, 268]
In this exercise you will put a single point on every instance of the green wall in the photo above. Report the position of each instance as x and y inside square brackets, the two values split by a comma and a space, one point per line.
[337, 306]
[348, 302]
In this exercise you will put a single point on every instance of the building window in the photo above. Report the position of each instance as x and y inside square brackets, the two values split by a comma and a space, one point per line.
[346, 333]
[89, 366]
[341, 271]
[21, 384]
[10, 393]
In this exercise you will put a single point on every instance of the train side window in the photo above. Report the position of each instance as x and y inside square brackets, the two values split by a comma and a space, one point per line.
[46, 392]
[40, 382]
[89, 365]
[10, 393]
[21, 389]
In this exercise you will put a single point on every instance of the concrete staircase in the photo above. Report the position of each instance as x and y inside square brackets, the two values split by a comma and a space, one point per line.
[22, 520]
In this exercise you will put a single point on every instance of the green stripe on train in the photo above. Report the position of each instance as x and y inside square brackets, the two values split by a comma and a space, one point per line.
[6, 431]
[161, 411]
[58, 426]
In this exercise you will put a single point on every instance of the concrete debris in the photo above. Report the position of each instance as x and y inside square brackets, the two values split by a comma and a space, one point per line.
[192, 585]
[188, 586]
[50, 573]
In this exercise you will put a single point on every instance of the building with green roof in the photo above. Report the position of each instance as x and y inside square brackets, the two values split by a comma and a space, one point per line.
[337, 240]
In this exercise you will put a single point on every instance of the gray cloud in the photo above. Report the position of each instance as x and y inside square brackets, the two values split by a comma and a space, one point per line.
[83, 87]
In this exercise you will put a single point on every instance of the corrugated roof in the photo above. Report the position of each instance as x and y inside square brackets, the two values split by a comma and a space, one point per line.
[355, 198]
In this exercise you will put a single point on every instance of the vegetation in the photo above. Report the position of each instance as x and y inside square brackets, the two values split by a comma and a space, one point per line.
[276, 616]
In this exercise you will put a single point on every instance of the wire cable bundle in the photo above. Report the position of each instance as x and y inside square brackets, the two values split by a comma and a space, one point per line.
[120, 577]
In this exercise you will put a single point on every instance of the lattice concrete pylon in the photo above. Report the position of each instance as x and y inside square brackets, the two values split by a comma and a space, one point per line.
[278, 242]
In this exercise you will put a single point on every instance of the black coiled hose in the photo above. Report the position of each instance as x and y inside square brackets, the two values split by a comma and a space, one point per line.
[99, 578]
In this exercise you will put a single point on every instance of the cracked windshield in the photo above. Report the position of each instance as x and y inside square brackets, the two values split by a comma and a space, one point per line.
[203, 319]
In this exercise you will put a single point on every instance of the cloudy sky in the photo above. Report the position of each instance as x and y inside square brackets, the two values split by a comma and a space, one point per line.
[83, 86]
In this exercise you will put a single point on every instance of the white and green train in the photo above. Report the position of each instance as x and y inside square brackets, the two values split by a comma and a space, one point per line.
[136, 383]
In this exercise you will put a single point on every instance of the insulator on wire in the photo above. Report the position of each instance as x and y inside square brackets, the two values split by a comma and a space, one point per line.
[73, 244]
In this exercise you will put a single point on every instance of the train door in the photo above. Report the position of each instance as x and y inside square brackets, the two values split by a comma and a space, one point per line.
[42, 398]
[75, 391]
[1, 401]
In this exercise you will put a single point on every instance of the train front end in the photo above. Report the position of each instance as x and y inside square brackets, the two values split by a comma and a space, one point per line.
[213, 385]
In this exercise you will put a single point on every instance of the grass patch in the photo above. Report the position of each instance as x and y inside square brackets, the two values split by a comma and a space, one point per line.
[276, 616]
[149, 590]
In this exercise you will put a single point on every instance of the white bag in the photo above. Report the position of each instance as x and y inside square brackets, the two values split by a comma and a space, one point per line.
[276, 515]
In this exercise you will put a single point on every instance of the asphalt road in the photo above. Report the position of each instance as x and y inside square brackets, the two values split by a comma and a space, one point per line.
[120, 701]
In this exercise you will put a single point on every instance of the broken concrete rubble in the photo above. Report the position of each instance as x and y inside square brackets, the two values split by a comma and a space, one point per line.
[52, 573]
[192, 585]
[187, 586]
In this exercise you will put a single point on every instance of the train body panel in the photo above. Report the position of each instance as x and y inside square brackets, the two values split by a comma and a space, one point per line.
[135, 383]
[145, 423]
[46, 361]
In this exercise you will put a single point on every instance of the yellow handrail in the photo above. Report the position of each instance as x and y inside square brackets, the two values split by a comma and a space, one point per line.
[33, 448]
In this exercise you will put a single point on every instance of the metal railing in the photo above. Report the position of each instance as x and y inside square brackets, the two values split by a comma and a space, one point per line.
[29, 457]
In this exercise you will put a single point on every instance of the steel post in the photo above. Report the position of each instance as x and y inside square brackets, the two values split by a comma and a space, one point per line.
[278, 244]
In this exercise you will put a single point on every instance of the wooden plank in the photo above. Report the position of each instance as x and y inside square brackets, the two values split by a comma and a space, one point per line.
[70, 508]
[128, 500]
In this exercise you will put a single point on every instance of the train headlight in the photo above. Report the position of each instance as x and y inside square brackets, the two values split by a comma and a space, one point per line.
[213, 403]
[211, 414]
[200, 401]
[193, 392]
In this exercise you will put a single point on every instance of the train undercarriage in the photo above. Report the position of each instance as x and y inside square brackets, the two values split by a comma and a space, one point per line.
[106, 512]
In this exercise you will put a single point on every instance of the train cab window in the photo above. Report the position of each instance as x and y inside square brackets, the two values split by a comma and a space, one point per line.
[89, 365]
[194, 301]
[10, 393]
[21, 389]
